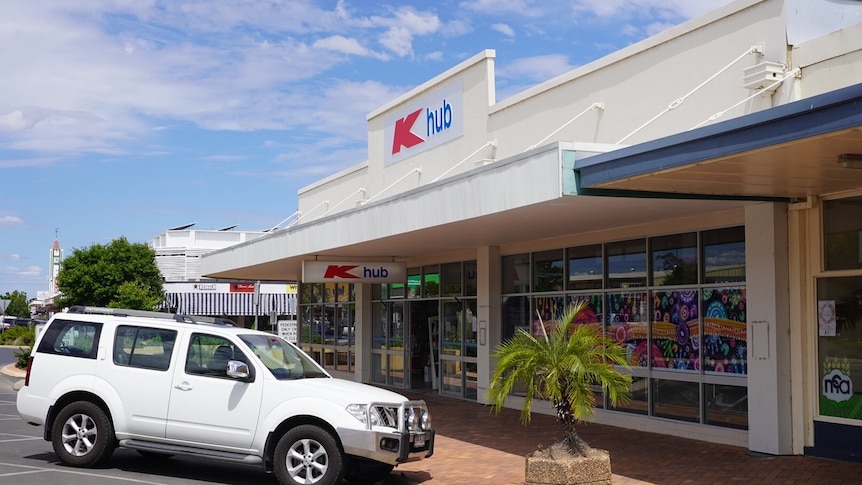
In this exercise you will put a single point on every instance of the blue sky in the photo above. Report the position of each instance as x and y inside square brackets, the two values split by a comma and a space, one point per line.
[123, 118]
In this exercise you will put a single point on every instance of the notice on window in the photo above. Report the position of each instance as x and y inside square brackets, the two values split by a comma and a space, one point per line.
[287, 329]
[826, 317]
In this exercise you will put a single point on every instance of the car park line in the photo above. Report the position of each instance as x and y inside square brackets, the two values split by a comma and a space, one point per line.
[33, 469]
[17, 437]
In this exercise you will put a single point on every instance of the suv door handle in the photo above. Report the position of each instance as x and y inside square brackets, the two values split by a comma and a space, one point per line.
[183, 386]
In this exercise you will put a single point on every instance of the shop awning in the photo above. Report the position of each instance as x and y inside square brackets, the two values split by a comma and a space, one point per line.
[231, 304]
[788, 152]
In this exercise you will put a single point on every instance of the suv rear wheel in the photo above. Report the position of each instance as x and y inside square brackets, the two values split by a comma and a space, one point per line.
[308, 454]
[82, 434]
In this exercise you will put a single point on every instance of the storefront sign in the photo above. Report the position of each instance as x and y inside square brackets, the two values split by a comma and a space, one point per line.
[342, 272]
[425, 123]
[242, 287]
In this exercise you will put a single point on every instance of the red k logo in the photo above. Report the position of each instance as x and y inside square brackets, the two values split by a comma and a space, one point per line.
[403, 136]
[340, 271]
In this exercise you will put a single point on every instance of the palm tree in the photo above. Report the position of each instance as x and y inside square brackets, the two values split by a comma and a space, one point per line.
[561, 366]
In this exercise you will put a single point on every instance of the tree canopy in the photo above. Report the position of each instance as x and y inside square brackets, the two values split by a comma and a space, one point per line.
[18, 306]
[118, 275]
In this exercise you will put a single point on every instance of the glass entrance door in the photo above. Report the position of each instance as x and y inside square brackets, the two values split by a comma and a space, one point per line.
[424, 350]
[458, 358]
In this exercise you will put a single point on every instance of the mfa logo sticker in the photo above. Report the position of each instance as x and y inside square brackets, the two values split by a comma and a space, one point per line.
[837, 386]
[425, 123]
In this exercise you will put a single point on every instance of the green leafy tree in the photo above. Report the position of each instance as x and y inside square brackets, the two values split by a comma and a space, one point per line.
[119, 275]
[18, 306]
[562, 366]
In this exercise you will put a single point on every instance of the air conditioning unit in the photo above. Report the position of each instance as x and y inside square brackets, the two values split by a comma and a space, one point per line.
[765, 76]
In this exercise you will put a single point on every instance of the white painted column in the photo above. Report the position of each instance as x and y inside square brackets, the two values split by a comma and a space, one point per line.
[488, 312]
[362, 334]
[769, 350]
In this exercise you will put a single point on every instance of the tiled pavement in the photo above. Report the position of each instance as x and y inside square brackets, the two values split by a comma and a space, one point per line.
[477, 446]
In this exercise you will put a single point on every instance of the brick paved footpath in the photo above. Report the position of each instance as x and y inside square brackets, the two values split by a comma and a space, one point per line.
[477, 446]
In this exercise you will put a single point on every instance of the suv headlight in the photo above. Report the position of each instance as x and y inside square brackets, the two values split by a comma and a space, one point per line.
[426, 419]
[360, 412]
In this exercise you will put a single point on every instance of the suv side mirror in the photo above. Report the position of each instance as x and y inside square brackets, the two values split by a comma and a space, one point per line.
[239, 370]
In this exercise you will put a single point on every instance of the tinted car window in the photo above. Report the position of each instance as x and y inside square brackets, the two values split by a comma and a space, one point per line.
[72, 338]
[209, 355]
[147, 348]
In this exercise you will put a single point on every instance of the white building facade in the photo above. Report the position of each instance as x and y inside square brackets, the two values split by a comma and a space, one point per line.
[701, 189]
[178, 257]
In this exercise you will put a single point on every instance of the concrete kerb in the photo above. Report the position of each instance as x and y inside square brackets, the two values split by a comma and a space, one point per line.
[12, 371]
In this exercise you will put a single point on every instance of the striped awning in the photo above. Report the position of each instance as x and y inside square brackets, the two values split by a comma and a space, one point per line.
[230, 304]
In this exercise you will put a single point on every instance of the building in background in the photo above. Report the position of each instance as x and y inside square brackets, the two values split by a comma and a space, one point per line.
[54, 268]
[701, 189]
[178, 257]
[42, 307]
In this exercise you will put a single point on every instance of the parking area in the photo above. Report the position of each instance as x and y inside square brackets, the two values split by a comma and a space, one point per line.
[475, 446]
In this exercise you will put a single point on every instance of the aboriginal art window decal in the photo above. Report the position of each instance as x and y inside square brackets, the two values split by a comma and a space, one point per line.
[675, 302]
[724, 331]
[627, 325]
[676, 330]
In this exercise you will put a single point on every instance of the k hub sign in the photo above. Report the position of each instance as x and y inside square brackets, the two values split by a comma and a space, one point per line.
[364, 272]
[425, 123]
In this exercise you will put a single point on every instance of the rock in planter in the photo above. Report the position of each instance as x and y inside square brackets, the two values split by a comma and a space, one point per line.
[557, 466]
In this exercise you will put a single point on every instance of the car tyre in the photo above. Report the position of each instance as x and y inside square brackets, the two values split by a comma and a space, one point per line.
[310, 455]
[82, 435]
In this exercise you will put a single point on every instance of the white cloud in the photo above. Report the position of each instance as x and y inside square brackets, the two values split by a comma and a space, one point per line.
[536, 68]
[497, 7]
[398, 40]
[10, 220]
[344, 45]
[16, 121]
[226, 158]
[27, 162]
[406, 24]
[663, 9]
[83, 87]
[503, 29]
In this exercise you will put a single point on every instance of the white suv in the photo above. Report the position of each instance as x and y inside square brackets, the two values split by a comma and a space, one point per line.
[166, 384]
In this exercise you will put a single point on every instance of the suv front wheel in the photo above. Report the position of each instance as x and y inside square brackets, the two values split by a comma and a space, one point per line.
[82, 434]
[308, 454]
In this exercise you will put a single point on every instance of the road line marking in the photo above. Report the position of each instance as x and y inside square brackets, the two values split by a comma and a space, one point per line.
[34, 469]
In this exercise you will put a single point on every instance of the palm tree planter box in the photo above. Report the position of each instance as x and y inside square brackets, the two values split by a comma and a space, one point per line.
[562, 366]
[557, 466]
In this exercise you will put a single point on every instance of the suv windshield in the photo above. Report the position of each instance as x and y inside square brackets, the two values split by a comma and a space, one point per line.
[281, 358]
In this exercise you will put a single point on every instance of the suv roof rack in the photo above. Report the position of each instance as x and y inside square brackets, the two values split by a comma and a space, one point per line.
[124, 312]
